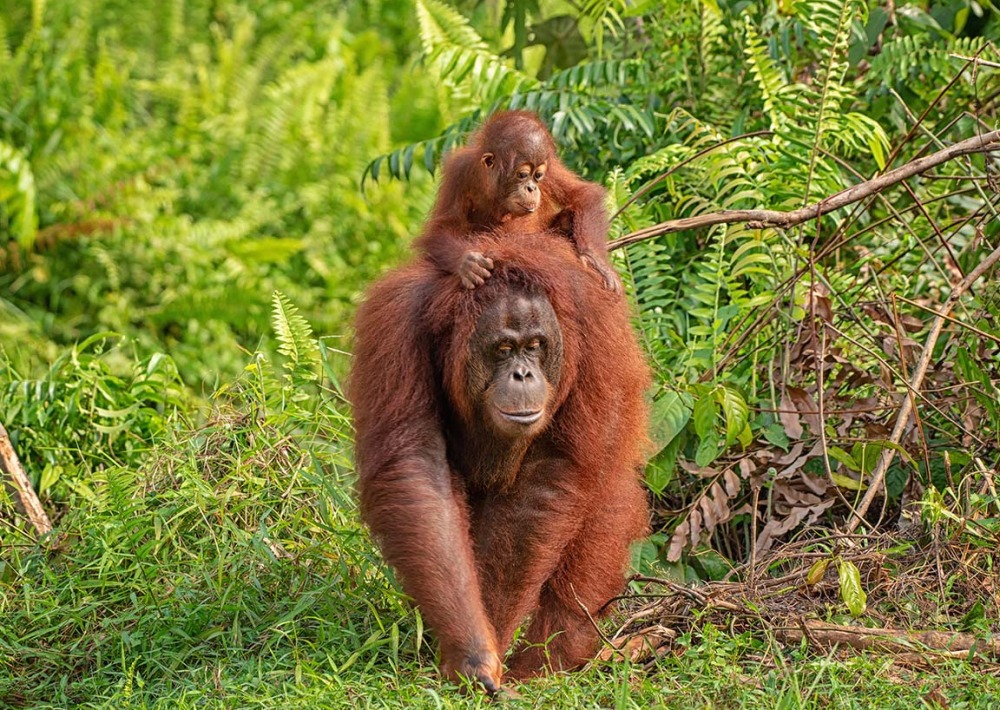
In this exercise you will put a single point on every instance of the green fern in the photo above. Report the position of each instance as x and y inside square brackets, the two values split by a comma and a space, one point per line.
[400, 162]
[295, 339]
[831, 22]
[462, 57]
[580, 102]
[770, 80]
[908, 57]
[239, 306]
[477, 76]
[573, 116]
[5, 55]
[603, 72]
[808, 121]
[711, 40]
[17, 196]
[607, 16]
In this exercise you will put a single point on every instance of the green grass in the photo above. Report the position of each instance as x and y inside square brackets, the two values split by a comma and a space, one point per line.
[225, 567]
[721, 672]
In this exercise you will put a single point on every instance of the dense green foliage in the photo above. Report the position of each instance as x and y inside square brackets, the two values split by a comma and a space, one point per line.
[195, 193]
[691, 108]
[186, 162]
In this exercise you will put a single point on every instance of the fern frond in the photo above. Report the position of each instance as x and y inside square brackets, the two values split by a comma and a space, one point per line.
[904, 58]
[830, 21]
[607, 15]
[770, 79]
[697, 135]
[17, 195]
[713, 32]
[461, 55]
[597, 74]
[294, 334]
[365, 108]
[295, 337]
[238, 305]
[441, 24]
[856, 134]
[5, 55]
[400, 161]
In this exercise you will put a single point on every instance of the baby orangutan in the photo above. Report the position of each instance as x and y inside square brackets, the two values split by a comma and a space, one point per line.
[509, 174]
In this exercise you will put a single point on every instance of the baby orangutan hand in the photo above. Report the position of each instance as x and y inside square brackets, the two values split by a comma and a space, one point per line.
[474, 269]
[611, 281]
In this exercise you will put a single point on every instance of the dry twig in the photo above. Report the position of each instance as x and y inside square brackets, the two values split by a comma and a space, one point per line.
[906, 408]
[23, 490]
[860, 638]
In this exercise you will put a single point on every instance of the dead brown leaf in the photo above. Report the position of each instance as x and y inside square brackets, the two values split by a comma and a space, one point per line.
[789, 416]
[806, 407]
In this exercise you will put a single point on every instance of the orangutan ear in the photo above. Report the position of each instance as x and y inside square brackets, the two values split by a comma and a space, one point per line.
[488, 159]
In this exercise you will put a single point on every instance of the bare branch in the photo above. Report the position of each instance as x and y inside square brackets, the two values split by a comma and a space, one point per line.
[25, 494]
[976, 60]
[759, 219]
[828, 636]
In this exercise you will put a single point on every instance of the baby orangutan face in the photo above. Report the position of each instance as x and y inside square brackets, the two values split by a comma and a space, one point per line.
[520, 191]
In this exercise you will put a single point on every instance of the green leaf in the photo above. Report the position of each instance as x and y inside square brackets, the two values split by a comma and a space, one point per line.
[850, 587]
[17, 195]
[735, 411]
[775, 434]
[878, 152]
[743, 266]
[668, 416]
[658, 477]
[835, 452]
[394, 169]
[705, 410]
[265, 250]
[430, 152]
[817, 571]
[745, 436]
[868, 453]
[708, 450]
[660, 470]
[408, 159]
[847, 482]
[975, 619]
[375, 168]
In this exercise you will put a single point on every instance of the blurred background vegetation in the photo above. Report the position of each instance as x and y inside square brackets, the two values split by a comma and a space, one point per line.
[194, 195]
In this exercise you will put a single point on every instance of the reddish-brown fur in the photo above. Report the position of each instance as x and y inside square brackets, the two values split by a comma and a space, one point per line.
[471, 197]
[554, 531]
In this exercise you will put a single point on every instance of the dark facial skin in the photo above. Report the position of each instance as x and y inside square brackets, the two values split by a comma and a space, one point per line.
[520, 188]
[516, 364]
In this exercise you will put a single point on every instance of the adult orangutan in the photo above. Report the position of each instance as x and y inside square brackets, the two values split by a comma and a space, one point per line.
[500, 436]
[509, 174]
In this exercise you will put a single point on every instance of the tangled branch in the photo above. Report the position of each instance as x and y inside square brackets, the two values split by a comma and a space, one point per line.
[759, 219]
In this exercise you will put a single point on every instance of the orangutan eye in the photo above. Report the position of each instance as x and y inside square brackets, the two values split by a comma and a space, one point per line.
[539, 175]
[523, 175]
[534, 345]
[504, 349]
